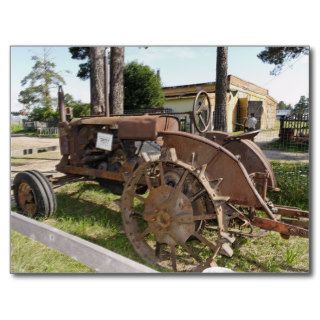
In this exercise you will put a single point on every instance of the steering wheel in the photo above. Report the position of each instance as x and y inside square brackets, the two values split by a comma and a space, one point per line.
[202, 111]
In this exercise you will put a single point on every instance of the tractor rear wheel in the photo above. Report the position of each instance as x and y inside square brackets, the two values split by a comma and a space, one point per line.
[166, 225]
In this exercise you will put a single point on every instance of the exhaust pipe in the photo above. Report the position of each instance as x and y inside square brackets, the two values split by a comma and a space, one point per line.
[62, 109]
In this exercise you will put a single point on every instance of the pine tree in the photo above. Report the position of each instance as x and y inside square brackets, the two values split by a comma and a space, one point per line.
[279, 56]
[221, 89]
[97, 80]
[116, 80]
[39, 81]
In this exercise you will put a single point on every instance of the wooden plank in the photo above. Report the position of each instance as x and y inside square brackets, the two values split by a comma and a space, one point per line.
[92, 255]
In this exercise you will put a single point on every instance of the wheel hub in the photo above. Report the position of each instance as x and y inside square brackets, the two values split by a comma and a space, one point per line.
[26, 199]
[164, 208]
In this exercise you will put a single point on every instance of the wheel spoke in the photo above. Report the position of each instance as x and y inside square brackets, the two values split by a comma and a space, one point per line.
[190, 251]
[205, 241]
[204, 217]
[136, 214]
[148, 182]
[158, 249]
[145, 232]
[202, 107]
[202, 121]
[198, 195]
[162, 180]
[179, 186]
[173, 257]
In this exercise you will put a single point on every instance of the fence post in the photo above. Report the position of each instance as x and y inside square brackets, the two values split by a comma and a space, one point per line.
[281, 125]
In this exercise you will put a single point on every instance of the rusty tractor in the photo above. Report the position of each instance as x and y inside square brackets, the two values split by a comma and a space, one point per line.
[182, 205]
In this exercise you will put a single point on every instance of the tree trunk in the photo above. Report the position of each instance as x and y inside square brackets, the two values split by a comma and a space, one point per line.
[97, 80]
[220, 122]
[116, 80]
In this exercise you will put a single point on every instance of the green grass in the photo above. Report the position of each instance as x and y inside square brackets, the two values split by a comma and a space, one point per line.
[288, 146]
[31, 256]
[270, 253]
[293, 180]
[92, 213]
[16, 128]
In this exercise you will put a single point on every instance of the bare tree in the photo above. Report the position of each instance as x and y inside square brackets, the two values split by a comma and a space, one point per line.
[116, 80]
[221, 89]
[97, 80]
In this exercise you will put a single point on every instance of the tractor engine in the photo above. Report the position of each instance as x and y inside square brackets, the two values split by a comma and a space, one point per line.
[122, 157]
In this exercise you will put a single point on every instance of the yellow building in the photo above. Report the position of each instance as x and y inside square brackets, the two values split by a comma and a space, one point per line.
[243, 98]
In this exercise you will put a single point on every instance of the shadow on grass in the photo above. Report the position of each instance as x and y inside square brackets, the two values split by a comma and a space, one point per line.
[86, 213]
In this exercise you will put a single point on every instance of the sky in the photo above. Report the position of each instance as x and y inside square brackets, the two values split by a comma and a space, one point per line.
[177, 65]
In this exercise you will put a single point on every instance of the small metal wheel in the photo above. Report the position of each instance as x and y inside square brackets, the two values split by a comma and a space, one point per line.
[33, 194]
[202, 111]
[167, 224]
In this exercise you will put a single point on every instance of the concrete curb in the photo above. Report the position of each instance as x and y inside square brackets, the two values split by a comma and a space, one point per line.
[92, 255]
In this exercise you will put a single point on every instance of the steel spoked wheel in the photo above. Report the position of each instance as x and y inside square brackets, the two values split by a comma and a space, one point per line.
[202, 111]
[166, 225]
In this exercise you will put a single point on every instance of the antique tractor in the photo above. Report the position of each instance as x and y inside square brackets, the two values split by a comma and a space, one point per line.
[185, 196]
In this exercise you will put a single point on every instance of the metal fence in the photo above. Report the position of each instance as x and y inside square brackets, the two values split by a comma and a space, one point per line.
[294, 128]
[51, 131]
[287, 148]
[35, 125]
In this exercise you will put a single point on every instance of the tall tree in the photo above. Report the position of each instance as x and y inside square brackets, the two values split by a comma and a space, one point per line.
[283, 106]
[39, 81]
[142, 87]
[279, 56]
[302, 107]
[97, 80]
[116, 80]
[82, 53]
[220, 122]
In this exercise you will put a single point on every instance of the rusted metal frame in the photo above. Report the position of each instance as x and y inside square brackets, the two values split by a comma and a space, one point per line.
[264, 176]
[58, 182]
[281, 227]
[245, 143]
[263, 204]
[110, 175]
[303, 223]
[291, 212]
[264, 160]
[221, 150]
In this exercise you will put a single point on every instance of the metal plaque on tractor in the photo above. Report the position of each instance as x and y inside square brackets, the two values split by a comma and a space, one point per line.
[104, 141]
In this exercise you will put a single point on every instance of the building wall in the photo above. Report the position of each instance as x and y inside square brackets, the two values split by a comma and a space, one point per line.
[268, 116]
[241, 92]
[179, 104]
[184, 104]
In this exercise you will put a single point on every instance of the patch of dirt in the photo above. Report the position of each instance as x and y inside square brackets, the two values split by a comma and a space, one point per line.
[18, 143]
